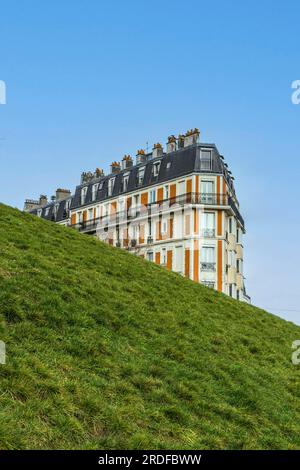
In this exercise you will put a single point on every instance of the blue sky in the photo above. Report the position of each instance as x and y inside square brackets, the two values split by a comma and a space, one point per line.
[88, 81]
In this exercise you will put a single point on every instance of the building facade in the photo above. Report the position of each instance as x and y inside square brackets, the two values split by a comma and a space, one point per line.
[177, 208]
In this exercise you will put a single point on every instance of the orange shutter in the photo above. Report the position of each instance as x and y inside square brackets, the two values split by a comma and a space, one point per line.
[158, 230]
[73, 219]
[125, 237]
[144, 199]
[128, 203]
[224, 191]
[196, 261]
[196, 221]
[169, 259]
[160, 195]
[157, 257]
[197, 184]
[142, 234]
[189, 190]
[187, 263]
[220, 265]
[170, 227]
[219, 223]
[84, 215]
[172, 193]
[218, 189]
[113, 208]
[187, 225]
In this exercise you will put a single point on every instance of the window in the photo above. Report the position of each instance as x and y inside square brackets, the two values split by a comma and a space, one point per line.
[208, 258]
[179, 259]
[83, 194]
[168, 165]
[111, 183]
[56, 207]
[232, 258]
[125, 181]
[39, 212]
[90, 214]
[166, 192]
[121, 205]
[205, 162]
[150, 256]
[152, 196]
[79, 215]
[164, 227]
[231, 225]
[141, 174]
[164, 256]
[208, 224]
[47, 211]
[94, 191]
[207, 192]
[155, 169]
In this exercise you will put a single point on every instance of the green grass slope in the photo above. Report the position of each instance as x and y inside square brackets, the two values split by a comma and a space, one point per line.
[106, 350]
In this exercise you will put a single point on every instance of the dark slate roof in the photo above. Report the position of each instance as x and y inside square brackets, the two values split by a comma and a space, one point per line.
[183, 162]
[62, 211]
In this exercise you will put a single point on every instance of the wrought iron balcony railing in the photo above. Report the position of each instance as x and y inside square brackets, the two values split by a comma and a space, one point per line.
[206, 266]
[157, 207]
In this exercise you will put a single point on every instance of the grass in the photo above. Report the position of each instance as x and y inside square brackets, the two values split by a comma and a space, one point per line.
[106, 350]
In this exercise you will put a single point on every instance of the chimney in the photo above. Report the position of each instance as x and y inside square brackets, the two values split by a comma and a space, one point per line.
[180, 141]
[115, 167]
[31, 204]
[126, 162]
[43, 200]
[140, 156]
[98, 173]
[191, 137]
[171, 144]
[157, 150]
[62, 194]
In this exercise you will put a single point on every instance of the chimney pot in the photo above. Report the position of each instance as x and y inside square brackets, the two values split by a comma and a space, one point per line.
[157, 150]
[115, 167]
[62, 194]
[191, 137]
[140, 156]
[171, 144]
[126, 162]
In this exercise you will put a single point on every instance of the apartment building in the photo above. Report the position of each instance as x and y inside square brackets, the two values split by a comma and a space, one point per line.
[177, 208]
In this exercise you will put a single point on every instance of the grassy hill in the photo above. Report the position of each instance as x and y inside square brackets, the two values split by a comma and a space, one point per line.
[106, 350]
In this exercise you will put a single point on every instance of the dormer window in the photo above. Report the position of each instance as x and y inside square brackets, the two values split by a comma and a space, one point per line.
[205, 161]
[111, 183]
[39, 212]
[47, 211]
[141, 174]
[83, 194]
[155, 169]
[125, 182]
[56, 206]
[94, 191]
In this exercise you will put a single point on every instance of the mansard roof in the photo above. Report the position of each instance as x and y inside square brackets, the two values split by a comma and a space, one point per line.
[181, 162]
[173, 165]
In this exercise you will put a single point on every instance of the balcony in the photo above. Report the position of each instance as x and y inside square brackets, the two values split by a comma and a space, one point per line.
[210, 284]
[208, 233]
[209, 200]
[208, 266]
